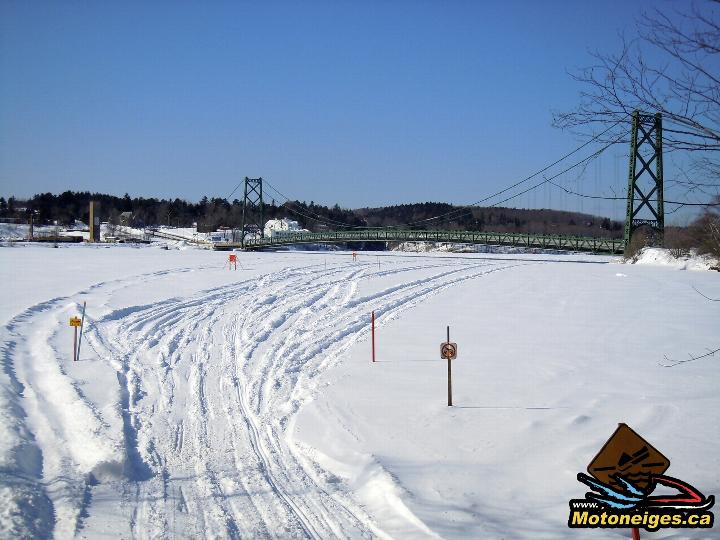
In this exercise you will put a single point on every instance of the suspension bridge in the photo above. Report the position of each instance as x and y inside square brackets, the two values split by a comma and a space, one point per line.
[645, 191]
[539, 241]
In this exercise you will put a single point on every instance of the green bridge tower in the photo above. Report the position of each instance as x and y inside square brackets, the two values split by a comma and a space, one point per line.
[253, 208]
[645, 188]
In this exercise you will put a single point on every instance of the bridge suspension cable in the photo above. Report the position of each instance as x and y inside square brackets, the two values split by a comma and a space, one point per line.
[605, 198]
[533, 175]
[548, 179]
[317, 217]
[463, 210]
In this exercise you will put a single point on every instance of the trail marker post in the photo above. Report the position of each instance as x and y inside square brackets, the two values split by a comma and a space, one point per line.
[449, 350]
[373, 334]
[75, 322]
[82, 325]
[232, 260]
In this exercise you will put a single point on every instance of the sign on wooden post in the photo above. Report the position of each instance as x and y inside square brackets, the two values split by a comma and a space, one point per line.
[75, 322]
[448, 351]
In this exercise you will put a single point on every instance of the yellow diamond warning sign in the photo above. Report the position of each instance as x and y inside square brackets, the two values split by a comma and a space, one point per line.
[629, 455]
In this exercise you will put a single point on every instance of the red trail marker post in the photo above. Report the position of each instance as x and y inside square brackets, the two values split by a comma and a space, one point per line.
[372, 330]
[636, 534]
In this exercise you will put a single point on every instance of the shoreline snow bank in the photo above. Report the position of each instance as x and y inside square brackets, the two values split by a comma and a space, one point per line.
[665, 257]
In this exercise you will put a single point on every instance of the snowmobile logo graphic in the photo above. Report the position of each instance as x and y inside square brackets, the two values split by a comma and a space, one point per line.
[630, 489]
[634, 498]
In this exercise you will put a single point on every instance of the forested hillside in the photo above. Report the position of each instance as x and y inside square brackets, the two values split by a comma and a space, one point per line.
[209, 214]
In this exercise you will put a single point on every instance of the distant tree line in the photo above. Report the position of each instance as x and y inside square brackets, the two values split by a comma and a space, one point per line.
[211, 213]
[425, 216]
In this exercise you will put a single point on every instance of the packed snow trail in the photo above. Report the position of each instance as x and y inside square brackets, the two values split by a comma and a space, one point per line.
[191, 437]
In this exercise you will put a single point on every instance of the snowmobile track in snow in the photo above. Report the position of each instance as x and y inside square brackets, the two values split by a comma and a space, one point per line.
[209, 387]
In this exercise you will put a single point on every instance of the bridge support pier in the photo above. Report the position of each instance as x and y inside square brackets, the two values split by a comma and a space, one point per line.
[253, 208]
[642, 189]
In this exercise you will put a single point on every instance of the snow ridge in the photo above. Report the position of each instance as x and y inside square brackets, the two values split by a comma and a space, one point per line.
[194, 439]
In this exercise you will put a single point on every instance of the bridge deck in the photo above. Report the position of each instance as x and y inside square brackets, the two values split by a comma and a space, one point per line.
[542, 241]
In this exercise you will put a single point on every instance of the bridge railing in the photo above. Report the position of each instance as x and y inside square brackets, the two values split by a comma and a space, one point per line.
[163, 233]
[559, 242]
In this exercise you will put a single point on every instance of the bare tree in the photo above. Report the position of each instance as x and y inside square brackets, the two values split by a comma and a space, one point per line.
[672, 66]
[708, 229]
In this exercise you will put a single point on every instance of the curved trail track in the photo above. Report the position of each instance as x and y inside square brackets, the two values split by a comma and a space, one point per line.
[191, 439]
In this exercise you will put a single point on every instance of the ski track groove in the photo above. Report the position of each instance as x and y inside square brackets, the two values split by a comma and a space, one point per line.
[276, 334]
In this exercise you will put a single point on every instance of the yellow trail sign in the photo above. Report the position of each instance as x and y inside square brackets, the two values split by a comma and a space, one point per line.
[74, 321]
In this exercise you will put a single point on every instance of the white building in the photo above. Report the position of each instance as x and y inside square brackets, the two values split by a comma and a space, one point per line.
[281, 227]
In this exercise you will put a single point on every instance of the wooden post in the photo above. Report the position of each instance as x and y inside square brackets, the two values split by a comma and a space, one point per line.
[449, 373]
[94, 224]
[373, 336]
[75, 344]
[91, 223]
[82, 325]
[635, 533]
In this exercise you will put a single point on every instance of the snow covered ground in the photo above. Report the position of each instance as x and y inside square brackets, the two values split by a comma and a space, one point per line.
[665, 257]
[14, 231]
[243, 404]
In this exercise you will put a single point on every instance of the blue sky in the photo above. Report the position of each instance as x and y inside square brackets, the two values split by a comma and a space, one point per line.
[357, 103]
